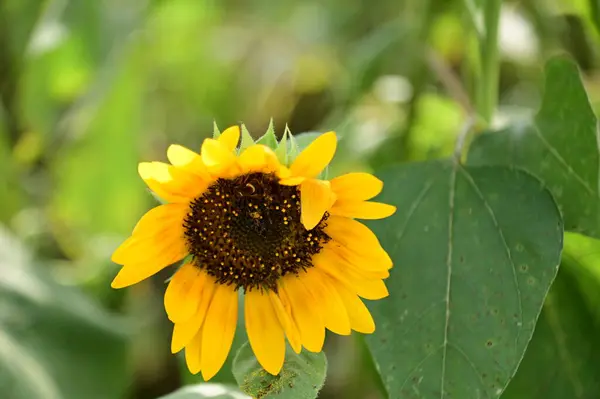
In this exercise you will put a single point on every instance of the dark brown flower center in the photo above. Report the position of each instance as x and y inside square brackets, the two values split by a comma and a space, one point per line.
[247, 232]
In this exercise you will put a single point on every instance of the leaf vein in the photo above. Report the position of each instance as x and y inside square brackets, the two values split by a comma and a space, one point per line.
[564, 163]
[473, 366]
[505, 245]
[452, 192]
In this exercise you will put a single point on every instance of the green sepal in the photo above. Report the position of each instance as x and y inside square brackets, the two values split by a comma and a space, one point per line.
[269, 138]
[247, 139]
[216, 132]
[293, 148]
[282, 149]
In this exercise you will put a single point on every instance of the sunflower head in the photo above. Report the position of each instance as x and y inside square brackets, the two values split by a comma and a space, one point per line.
[246, 222]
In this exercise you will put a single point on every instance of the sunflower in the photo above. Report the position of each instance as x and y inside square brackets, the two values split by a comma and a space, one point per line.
[249, 224]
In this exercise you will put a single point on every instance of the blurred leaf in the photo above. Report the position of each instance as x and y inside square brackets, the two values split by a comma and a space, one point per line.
[10, 190]
[98, 190]
[559, 147]
[17, 21]
[206, 390]
[475, 249]
[595, 14]
[584, 252]
[302, 375]
[434, 137]
[54, 342]
[562, 358]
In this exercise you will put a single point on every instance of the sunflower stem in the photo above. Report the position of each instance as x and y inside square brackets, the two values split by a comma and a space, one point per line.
[462, 138]
[486, 92]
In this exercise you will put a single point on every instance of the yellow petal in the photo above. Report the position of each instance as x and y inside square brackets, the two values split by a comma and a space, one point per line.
[283, 313]
[371, 289]
[305, 313]
[187, 159]
[162, 219]
[331, 260]
[218, 331]
[219, 159]
[331, 264]
[355, 236]
[284, 172]
[193, 353]
[170, 183]
[230, 137]
[158, 234]
[360, 317]
[153, 249]
[316, 198]
[158, 255]
[265, 333]
[356, 186]
[183, 293]
[370, 263]
[292, 181]
[335, 316]
[362, 209]
[134, 273]
[315, 157]
[184, 332]
[259, 158]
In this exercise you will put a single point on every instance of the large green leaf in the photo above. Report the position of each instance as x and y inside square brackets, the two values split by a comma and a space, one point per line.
[562, 360]
[301, 377]
[559, 147]
[206, 390]
[475, 251]
[54, 343]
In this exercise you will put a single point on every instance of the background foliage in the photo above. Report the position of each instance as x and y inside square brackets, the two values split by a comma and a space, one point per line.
[90, 88]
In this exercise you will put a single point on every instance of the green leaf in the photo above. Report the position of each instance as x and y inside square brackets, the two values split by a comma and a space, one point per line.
[562, 358]
[559, 147]
[247, 139]
[54, 342]
[475, 250]
[206, 390]
[269, 138]
[301, 377]
[98, 171]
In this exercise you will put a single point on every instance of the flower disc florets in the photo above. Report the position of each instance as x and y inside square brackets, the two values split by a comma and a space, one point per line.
[247, 232]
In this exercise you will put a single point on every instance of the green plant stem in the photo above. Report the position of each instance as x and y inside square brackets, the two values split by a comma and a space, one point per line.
[489, 72]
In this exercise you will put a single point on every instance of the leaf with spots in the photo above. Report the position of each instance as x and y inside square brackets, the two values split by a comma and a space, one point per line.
[562, 358]
[475, 250]
[559, 146]
[301, 377]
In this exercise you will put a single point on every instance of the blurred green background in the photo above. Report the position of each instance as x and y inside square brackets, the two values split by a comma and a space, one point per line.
[90, 88]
